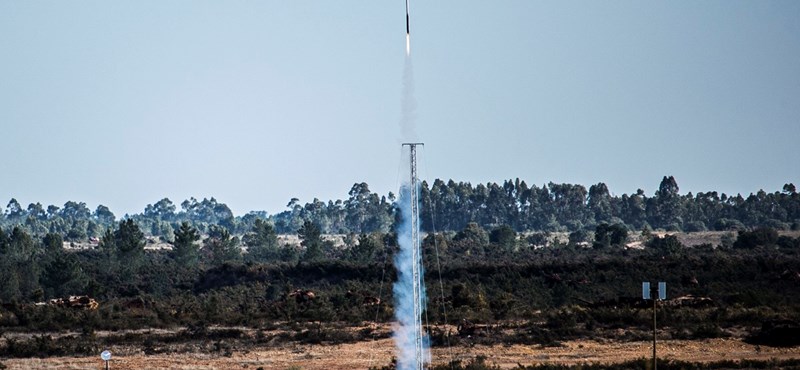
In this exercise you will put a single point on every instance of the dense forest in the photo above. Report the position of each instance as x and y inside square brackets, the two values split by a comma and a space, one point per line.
[477, 276]
[447, 206]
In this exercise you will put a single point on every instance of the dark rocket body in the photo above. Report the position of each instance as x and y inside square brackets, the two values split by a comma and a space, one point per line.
[408, 30]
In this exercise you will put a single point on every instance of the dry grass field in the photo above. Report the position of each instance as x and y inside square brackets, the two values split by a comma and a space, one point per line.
[362, 355]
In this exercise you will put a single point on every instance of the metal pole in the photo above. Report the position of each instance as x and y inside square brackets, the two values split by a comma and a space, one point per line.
[106, 364]
[416, 259]
[416, 254]
[655, 301]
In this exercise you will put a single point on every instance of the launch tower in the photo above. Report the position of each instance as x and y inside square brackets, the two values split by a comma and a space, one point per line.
[416, 258]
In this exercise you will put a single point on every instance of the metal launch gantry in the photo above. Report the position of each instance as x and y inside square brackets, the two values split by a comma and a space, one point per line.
[416, 259]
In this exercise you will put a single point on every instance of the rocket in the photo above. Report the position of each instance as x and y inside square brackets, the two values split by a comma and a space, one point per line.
[408, 33]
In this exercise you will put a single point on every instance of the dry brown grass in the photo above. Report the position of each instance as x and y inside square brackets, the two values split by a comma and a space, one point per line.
[362, 355]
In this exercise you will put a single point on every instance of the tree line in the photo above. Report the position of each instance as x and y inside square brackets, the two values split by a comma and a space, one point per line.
[569, 207]
[446, 206]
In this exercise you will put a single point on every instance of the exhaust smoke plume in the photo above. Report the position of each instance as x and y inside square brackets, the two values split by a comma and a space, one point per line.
[406, 326]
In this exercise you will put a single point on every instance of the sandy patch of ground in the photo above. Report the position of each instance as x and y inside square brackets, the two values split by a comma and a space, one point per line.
[380, 352]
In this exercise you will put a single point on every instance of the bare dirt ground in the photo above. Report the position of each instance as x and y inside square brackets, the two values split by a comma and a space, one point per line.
[377, 353]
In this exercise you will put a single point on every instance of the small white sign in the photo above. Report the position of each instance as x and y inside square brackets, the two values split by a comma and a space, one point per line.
[106, 355]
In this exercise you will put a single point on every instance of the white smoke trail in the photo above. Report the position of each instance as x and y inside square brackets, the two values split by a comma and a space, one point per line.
[404, 334]
[404, 329]
[408, 119]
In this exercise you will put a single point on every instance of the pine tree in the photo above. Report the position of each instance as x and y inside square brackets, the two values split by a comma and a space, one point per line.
[220, 247]
[262, 242]
[184, 249]
[312, 241]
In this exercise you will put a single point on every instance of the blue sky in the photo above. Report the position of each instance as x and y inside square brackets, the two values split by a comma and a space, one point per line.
[123, 103]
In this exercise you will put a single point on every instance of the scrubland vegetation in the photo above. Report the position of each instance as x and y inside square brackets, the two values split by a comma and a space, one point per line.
[541, 269]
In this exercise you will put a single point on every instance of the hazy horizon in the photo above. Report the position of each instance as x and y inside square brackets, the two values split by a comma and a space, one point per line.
[178, 200]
